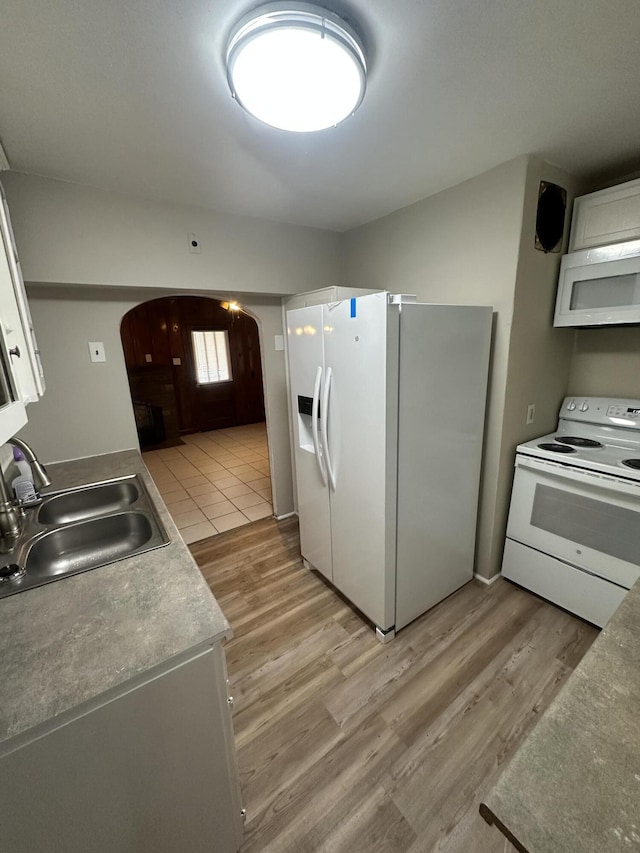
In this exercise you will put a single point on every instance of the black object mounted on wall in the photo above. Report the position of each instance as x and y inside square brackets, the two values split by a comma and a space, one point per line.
[552, 205]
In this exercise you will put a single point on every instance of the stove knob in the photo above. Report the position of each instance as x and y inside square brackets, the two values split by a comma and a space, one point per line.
[584, 406]
[571, 405]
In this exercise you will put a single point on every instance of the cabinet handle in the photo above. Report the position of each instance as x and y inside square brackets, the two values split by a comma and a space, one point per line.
[15, 351]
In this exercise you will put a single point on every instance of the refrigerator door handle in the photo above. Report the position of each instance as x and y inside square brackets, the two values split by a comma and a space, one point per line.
[314, 425]
[325, 428]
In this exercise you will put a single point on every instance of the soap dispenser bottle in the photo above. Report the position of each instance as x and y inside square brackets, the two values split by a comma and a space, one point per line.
[22, 485]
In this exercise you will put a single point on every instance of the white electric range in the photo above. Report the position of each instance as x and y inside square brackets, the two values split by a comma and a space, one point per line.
[573, 534]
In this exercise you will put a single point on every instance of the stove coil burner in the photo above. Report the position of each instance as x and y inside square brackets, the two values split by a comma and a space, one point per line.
[556, 448]
[576, 441]
[12, 572]
[632, 463]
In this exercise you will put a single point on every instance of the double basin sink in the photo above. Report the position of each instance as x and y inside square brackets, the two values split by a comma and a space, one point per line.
[79, 529]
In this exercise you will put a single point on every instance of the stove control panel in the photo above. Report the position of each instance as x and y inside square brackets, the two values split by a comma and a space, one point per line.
[609, 411]
[629, 412]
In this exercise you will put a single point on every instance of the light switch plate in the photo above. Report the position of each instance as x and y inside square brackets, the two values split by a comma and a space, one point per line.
[279, 342]
[96, 351]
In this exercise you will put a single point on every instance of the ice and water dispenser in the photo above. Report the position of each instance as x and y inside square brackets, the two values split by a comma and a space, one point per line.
[305, 420]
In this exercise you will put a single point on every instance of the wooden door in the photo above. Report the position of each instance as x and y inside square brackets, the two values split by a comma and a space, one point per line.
[157, 342]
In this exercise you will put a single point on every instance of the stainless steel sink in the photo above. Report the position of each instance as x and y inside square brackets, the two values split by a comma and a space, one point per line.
[88, 502]
[81, 529]
[89, 544]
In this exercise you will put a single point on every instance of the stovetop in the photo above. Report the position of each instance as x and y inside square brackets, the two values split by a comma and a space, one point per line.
[613, 422]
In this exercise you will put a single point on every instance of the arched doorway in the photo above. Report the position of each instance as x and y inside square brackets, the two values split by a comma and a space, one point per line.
[195, 376]
[163, 341]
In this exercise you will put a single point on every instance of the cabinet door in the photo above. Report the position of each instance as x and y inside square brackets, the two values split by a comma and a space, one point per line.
[150, 771]
[608, 216]
[12, 411]
[14, 337]
[28, 369]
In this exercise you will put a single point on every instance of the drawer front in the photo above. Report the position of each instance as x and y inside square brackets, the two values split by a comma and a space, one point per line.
[588, 596]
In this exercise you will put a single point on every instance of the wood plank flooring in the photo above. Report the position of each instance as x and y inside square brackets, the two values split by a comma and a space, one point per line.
[345, 744]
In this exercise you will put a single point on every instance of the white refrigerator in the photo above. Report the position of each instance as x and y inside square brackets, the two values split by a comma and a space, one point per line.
[388, 402]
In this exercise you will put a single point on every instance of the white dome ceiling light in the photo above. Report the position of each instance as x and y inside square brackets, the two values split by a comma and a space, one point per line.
[296, 67]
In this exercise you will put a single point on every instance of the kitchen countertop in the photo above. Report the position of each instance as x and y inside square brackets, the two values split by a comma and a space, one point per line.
[574, 785]
[67, 642]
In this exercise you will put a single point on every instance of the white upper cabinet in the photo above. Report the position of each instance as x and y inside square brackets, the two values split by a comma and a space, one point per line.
[608, 216]
[12, 407]
[21, 378]
[29, 366]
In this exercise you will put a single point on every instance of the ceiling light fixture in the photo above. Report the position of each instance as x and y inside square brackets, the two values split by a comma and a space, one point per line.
[296, 67]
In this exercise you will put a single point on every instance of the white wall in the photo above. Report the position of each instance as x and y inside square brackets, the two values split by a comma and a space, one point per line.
[606, 362]
[539, 355]
[460, 246]
[70, 234]
[120, 251]
[87, 407]
[268, 313]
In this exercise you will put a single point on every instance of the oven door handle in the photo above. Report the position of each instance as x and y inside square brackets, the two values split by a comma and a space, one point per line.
[575, 475]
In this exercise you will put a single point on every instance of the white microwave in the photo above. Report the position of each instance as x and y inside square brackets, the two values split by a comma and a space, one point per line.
[600, 287]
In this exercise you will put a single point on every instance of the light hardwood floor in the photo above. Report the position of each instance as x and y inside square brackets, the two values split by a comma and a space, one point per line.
[345, 744]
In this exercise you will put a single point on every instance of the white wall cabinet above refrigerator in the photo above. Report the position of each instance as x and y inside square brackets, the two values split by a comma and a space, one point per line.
[388, 404]
[21, 375]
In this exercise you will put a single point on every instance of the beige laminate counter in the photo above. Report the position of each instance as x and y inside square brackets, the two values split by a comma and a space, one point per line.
[68, 642]
[574, 785]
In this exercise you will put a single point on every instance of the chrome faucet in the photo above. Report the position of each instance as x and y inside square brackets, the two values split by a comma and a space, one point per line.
[11, 512]
[40, 477]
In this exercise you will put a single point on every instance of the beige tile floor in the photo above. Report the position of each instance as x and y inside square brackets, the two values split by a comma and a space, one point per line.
[216, 481]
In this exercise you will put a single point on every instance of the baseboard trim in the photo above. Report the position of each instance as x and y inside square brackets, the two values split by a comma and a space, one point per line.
[286, 515]
[486, 581]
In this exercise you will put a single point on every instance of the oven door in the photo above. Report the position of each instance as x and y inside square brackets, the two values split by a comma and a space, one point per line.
[588, 520]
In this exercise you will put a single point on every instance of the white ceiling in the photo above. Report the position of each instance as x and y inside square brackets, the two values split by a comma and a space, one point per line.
[131, 95]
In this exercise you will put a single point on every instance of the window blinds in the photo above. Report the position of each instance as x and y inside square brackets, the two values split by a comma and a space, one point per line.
[211, 355]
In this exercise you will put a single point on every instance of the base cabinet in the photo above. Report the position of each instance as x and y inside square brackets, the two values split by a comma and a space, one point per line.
[151, 770]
